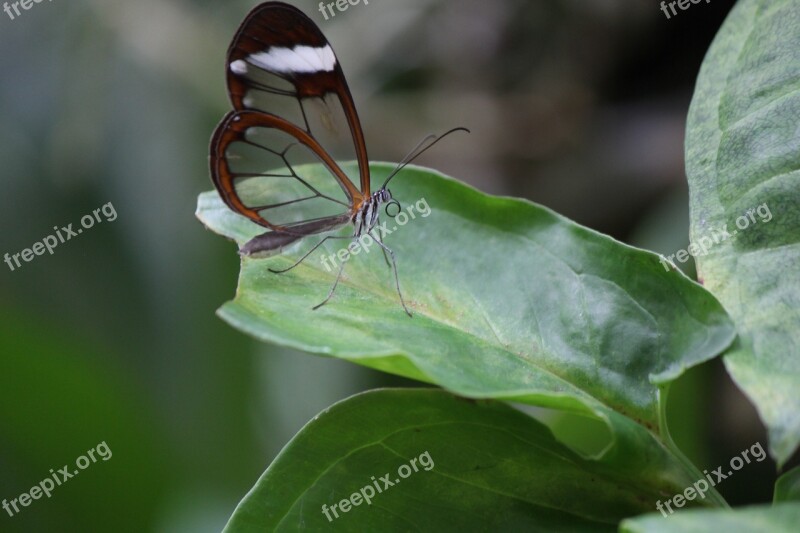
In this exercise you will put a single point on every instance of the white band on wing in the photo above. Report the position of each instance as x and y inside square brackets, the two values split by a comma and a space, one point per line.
[297, 60]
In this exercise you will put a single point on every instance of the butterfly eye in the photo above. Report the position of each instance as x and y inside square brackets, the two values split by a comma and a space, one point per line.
[396, 204]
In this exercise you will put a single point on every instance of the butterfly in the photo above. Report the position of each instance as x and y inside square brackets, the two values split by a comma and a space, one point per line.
[285, 83]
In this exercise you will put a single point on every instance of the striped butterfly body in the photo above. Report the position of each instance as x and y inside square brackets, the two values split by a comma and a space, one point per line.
[288, 92]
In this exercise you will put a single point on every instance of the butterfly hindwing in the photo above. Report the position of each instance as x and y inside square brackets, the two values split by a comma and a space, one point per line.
[247, 142]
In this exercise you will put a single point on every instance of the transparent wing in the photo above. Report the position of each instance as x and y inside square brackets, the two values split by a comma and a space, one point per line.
[259, 166]
[279, 62]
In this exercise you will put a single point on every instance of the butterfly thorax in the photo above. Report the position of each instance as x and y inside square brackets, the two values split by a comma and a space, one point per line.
[365, 218]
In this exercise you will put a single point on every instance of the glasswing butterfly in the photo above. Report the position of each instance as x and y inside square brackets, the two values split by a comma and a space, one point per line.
[286, 84]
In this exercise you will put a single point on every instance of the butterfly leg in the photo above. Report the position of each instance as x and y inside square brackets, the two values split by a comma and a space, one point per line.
[388, 250]
[333, 289]
[378, 238]
[281, 271]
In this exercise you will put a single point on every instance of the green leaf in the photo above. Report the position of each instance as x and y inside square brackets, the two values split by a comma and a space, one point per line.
[787, 488]
[781, 517]
[511, 301]
[742, 156]
[481, 465]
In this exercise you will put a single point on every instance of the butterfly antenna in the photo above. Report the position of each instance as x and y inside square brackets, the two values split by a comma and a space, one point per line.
[418, 150]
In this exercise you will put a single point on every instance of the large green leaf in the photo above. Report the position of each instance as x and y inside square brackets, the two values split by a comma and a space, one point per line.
[762, 518]
[743, 155]
[511, 301]
[481, 466]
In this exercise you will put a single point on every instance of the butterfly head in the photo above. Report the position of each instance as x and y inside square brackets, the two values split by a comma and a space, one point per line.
[384, 196]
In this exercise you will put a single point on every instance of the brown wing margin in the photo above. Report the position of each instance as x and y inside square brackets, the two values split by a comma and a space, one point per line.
[278, 25]
[233, 128]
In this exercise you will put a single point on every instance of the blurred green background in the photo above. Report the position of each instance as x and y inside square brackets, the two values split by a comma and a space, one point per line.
[574, 104]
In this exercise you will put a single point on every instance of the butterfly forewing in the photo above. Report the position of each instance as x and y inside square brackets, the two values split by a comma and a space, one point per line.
[280, 62]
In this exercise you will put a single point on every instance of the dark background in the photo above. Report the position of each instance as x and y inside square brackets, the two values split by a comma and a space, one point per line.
[576, 105]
